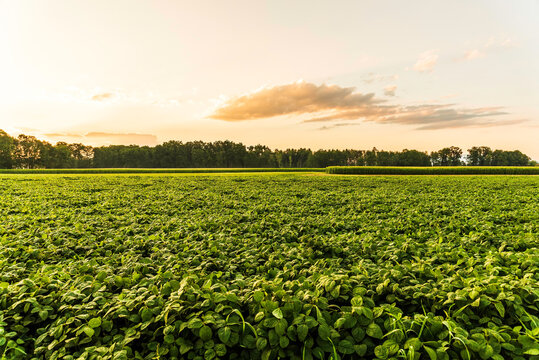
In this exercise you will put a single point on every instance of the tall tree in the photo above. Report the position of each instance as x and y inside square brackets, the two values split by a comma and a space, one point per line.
[27, 152]
[479, 156]
[7, 147]
[370, 157]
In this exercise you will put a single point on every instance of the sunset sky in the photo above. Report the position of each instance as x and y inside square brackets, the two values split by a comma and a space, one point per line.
[318, 74]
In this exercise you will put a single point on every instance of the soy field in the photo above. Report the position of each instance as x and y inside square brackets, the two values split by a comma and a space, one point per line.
[269, 266]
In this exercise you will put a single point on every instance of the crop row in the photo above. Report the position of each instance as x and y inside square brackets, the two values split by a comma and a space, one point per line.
[157, 171]
[436, 170]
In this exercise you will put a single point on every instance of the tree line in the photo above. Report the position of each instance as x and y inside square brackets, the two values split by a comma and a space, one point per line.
[28, 152]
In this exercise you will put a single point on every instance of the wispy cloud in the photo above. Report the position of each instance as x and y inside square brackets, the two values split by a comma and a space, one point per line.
[489, 46]
[328, 103]
[103, 96]
[473, 54]
[426, 61]
[378, 78]
[500, 42]
[390, 90]
[104, 138]
[333, 126]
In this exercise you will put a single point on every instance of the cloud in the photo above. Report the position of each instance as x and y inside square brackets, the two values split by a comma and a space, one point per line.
[330, 103]
[490, 46]
[372, 78]
[390, 90]
[426, 61]
[103, 96]
[295, 98]
[105, 138]
[332, 126]
[500, 42]
[425, 117]
[473, 54]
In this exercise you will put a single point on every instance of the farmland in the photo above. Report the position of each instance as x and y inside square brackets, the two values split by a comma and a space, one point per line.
[267, 266]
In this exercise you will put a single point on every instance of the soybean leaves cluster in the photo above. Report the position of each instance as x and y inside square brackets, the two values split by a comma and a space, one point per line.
[268, 267]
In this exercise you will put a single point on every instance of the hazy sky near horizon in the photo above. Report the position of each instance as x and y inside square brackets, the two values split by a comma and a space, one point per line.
[319, 74]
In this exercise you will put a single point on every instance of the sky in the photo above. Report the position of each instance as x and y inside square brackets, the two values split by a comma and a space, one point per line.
[287, 74]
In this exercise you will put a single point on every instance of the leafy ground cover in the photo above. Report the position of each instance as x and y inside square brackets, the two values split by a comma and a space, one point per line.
[291, 266]
[158, 170]
[433, 170]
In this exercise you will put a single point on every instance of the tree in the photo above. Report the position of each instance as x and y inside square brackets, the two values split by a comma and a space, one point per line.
[370, 157]
[82, 154]
[479, 156]
[386, 158]
[412, 158]
[260, 156]
[27, 152]
[509, 158]
[450, 156]
[7, 147]
[455, 154]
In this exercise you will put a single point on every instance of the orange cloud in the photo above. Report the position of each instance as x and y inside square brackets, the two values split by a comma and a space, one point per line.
[500, 42]
[102, 97]
[473, 54]
[426, 61]
[104, 138]
[373, 77]
[328, 103]
[296, 98]
[390, 90]
[332, 126]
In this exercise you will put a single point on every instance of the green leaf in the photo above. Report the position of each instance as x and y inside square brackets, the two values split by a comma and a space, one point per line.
[266, 354]
[205, 333]
[413, 342]
[324, 332]
[169, 338]
[88, 331]
[501, 309]
[373, 330]
[283, 342]
[95, 322]
[339, 323]
[120, 355]
[346, 347]
[281, 326]
[43, 314]
[209, 354]
[146, 315]
[486, 352]
[224, 334]
[278, 313]
[431, 352]
[259, 316]
[303, 330]
[361, 349]
[258, 296]
[195, 323]
[381, 352]
[261, 343]
[220, 350]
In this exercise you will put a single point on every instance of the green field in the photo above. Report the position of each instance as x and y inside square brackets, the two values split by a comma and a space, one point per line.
[158, 170]
[289, 266]
[433, 170]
